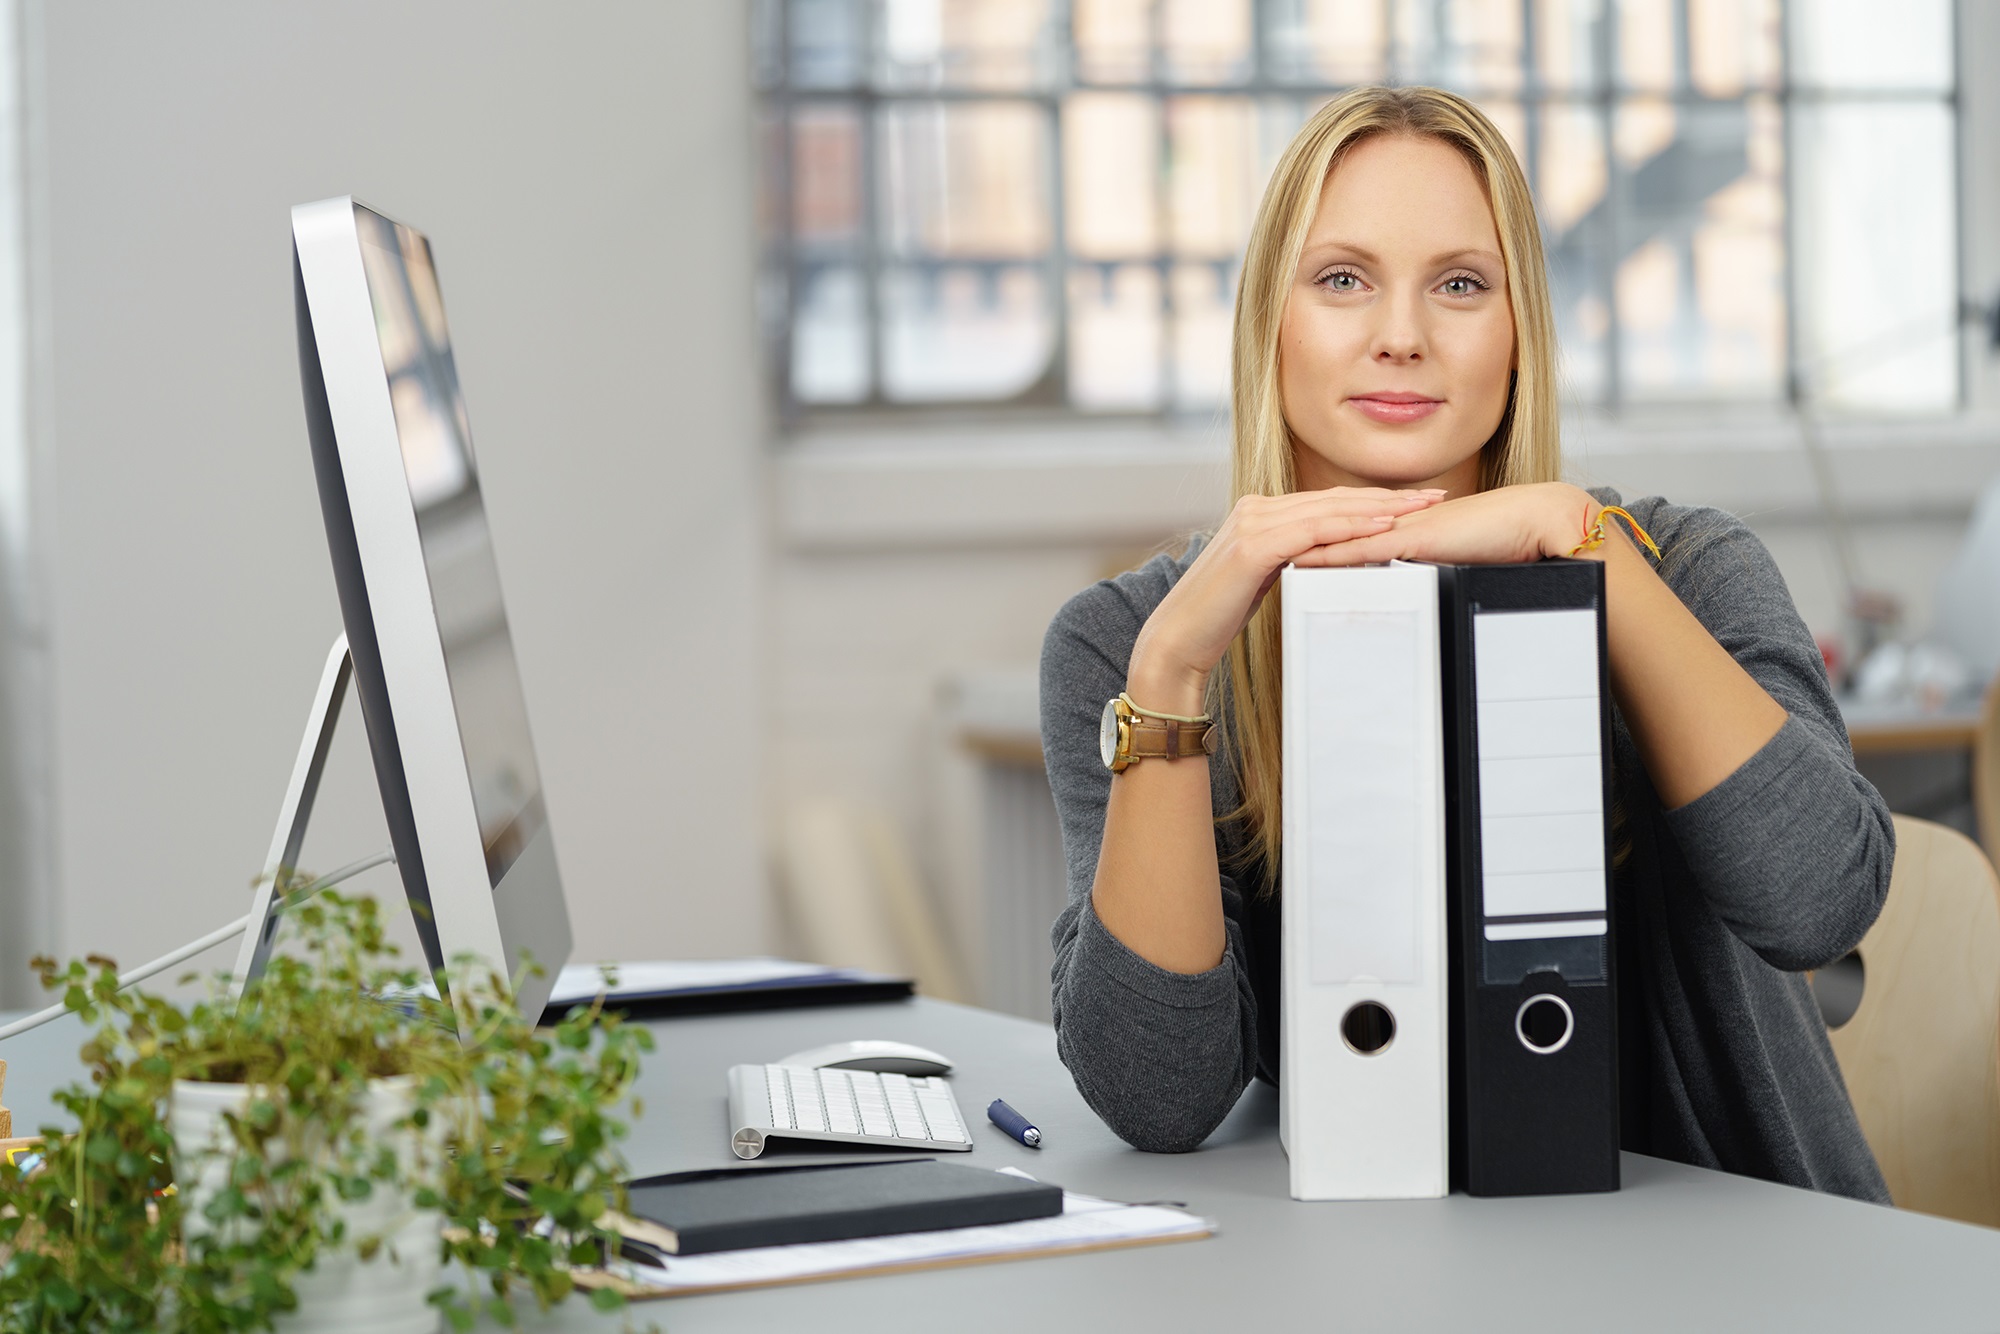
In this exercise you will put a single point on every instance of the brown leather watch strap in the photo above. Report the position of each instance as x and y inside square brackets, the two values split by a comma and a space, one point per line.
[1159, 740]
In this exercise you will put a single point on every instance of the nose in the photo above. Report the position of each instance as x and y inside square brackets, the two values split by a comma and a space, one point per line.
[1400, 336]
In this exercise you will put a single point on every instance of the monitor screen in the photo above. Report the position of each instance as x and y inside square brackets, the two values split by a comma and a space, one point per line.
[451, 528]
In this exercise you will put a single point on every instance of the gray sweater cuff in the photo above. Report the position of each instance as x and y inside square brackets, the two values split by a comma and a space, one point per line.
[1787, 850]
[1099, 953]
[1710, 819]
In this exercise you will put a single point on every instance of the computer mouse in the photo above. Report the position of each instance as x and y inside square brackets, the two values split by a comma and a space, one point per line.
[894, 1058]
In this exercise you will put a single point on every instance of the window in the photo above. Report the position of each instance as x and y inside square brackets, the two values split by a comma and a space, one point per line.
[1040, 202]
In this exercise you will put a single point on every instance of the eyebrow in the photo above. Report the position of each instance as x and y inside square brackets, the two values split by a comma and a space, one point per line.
[1367, 256]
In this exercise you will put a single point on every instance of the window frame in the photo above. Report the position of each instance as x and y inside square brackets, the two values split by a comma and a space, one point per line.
[1047, 398]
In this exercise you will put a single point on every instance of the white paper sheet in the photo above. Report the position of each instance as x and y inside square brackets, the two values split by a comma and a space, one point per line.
[581, 981]
[1084, 1222]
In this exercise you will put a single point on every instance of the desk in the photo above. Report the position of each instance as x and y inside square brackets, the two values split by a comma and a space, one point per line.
[1678, 1249]
[1899, 726]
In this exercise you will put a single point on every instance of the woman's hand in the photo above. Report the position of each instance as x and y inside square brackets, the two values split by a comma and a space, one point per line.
[1190, 630]
[1506, 524]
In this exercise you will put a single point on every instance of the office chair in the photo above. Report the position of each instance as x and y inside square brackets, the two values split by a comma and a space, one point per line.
[1986, 771]
[1921, 1052]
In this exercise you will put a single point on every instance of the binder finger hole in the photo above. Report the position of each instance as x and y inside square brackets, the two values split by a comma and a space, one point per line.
[1368, 1027]
[1544, 1023]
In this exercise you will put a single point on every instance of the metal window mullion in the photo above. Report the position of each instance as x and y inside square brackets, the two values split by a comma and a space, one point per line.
[783, 241]
[1532, 105]
[1163, 213]
[1607, 85]
[1162, 205]
[1058, 262]
[1311, 91]
[1788, 135]
[1961, 171]
[1260, 41]
[1392, 64]
[869, 110]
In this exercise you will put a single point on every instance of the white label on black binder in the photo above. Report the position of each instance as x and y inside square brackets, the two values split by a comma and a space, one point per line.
[1363, 801]
[1541, 793]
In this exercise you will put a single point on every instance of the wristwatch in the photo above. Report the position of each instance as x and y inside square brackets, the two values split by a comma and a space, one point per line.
[1126, 735]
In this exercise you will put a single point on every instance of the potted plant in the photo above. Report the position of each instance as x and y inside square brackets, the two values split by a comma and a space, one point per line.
[312, 1156]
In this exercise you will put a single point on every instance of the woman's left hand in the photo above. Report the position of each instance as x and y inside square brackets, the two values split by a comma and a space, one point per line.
[1506, 524]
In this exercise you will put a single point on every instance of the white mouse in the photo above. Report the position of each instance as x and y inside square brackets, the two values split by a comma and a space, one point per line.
[895, 1058]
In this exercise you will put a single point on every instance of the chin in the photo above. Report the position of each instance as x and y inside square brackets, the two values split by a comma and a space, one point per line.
[1393, 459]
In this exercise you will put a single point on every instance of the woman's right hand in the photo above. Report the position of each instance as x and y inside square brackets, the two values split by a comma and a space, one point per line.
[1189, 631]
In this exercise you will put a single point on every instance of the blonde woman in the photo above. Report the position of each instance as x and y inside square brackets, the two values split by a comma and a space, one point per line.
[1394, 397]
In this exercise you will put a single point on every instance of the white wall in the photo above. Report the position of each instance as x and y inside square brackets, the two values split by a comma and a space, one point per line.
[585, 176]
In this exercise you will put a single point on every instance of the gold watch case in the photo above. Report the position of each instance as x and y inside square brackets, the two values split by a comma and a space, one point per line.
[1116, 736]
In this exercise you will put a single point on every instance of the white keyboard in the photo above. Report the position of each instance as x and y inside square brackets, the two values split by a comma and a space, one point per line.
[841, 1107]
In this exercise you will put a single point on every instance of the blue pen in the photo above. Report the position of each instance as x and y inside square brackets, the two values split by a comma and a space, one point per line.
[1015, 1124]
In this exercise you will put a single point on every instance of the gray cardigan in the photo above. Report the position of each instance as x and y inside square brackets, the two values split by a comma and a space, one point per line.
[1719, 906]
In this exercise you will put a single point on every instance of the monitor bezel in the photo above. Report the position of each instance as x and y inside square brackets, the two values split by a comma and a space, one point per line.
[399, 661]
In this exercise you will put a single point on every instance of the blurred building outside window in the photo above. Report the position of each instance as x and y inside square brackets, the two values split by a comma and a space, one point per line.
[1042, 203]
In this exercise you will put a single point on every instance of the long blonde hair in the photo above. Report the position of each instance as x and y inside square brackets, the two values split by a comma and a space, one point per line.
[1525, 448]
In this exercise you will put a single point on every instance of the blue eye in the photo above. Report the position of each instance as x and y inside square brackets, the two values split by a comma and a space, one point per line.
[1340, 280]
[1462, 284]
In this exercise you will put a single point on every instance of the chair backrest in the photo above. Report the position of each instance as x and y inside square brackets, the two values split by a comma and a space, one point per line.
[1921, 1053]
[1986, 770]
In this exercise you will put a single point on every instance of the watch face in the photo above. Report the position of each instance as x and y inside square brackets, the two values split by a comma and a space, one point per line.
[1107, 733]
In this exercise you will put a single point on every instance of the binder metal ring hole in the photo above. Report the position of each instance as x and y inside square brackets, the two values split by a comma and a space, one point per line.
[1544, 1024]
[1368, 1028]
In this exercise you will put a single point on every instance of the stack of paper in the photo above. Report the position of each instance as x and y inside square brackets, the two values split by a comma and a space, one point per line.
[1085, 1224]
[685, 979]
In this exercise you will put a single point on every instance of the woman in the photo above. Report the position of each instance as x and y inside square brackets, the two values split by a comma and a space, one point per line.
[1394, 397]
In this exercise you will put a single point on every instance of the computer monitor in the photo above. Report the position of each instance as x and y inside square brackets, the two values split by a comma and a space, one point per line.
[433, 662]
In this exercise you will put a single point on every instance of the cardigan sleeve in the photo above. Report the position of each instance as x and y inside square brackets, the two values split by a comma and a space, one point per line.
[1794, 849]
[1160, 1056]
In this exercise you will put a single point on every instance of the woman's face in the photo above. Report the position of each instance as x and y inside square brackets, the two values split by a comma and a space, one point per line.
[1398, 335]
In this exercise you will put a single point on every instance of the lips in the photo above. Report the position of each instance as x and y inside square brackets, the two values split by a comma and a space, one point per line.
[1395, 408]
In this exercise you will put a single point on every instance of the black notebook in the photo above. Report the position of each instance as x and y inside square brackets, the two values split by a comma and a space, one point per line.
[735, 1210]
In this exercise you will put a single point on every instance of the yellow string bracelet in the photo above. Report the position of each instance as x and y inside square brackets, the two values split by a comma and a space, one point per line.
[1593, 531]
[1155, 713]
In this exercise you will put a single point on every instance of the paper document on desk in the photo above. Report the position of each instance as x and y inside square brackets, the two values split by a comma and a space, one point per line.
[673, 979]
[1085, 1224]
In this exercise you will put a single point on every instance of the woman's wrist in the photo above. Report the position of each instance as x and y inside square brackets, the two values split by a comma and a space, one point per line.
[1166, 687]
[1567, 526]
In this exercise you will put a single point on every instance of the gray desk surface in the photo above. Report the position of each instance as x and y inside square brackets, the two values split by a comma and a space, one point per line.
[1678, 1249]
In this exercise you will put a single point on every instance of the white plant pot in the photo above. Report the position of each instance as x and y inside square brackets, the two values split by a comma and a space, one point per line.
[383, 1294]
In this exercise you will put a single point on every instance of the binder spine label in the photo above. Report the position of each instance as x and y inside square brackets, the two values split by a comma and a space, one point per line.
[1362, 817]
[1541, 819]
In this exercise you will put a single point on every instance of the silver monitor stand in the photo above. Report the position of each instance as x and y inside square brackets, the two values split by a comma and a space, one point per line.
[293, 816]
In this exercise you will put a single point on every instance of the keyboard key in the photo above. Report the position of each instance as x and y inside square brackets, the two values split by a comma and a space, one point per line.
[807, 1111]
[873, 1107]
[941, 1117]
[781, 1098]
[837, 1090]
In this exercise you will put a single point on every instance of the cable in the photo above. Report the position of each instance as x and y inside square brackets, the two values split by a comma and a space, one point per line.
[207, 942]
